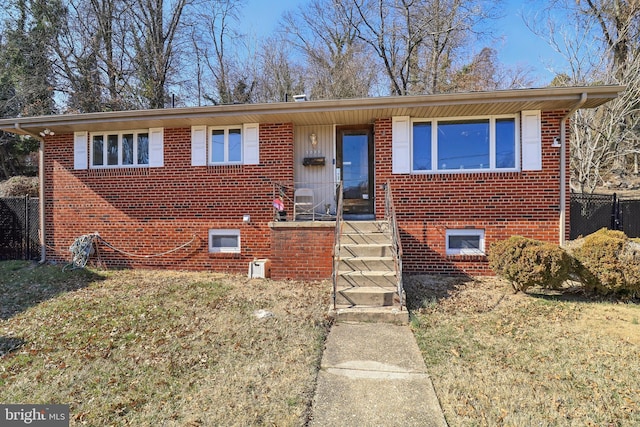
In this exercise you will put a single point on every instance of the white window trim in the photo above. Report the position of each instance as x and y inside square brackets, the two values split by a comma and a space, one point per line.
[202, 145]
[492, 144]
[465, 232]
[135, 133]
[226, 145]
[224, 232]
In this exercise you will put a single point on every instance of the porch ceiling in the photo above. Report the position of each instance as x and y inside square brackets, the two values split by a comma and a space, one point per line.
[344, 111]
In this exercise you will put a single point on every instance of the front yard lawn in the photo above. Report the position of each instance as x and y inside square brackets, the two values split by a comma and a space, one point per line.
[502, 359]
[160, 347]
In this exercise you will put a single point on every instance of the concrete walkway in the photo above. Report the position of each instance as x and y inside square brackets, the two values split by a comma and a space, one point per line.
[372, 374]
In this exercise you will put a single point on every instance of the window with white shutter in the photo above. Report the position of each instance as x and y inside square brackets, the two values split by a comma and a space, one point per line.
[531, 140]
[122, 149]
[80, 152]
[225, 145]
[455, 145]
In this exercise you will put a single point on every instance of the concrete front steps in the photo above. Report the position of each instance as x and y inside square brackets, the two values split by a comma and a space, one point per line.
[366, 276]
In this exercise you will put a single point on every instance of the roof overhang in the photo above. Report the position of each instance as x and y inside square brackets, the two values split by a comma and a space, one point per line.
[325, 112]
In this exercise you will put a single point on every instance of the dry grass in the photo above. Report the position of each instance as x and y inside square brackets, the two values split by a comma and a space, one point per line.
[160, 348]
[503, 359]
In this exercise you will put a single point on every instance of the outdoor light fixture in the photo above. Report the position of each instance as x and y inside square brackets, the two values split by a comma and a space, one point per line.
[556, 142]
[47, 132]
[246, 219]
[314, 140]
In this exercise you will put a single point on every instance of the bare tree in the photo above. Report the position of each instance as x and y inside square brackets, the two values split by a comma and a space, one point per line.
[600, 41]
[224, 60]
[325, 32]
[279, 76]
[157, 25]
[486, 72]
[619, 21]
[92, 56]
[418, 41]
[604, 136]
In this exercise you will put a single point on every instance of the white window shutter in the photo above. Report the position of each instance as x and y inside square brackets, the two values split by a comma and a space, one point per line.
[251, 143]
[156, 147]
[198, 145]
[531, 141]
[80, 151]
[401, 144]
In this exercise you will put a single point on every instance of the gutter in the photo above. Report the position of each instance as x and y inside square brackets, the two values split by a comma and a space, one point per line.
[563, 171]
[43, 254]
[318, 111]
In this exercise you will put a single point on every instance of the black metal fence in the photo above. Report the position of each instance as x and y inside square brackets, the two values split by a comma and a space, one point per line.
[19, 224]
[591, 212]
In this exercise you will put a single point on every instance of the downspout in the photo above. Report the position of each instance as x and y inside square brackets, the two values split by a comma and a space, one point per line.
[563, 171]
[43, 254]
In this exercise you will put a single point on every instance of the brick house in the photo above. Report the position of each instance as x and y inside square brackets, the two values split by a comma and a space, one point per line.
[465, 170]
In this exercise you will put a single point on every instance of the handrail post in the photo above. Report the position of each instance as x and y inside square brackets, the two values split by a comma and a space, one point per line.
[390, 216]
[336, 242]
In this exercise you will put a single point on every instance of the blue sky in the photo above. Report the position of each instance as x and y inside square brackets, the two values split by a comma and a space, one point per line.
[519, 45]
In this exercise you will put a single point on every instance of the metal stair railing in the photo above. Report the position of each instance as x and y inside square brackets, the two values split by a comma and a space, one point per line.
[390, 216]
[336, 244]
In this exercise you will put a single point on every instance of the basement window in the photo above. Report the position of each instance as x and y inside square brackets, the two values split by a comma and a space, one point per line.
[224, 241]
[465, 242]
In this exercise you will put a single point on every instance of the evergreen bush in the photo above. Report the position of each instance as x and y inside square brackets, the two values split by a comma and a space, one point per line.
[608, 262]
[527, 262]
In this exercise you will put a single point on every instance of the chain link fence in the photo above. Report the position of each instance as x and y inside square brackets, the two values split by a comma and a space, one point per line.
[591, 212]
[19, 224]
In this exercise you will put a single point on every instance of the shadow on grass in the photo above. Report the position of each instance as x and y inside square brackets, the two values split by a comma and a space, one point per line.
[424, 290]
[24, 284]
[578, 294]
[10, 344]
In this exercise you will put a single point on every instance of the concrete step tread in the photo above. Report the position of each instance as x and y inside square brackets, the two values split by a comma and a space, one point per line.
[367, 221]
[367, 273]
[366, 258]
[370, 308]
[367, 289]
[366, 245]
[365, 232]
[388, 314]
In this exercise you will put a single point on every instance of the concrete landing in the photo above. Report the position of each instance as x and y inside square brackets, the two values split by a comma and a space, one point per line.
[388, 314]
[372, 374]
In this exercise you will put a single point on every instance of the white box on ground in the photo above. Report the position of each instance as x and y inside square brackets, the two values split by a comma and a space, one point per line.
[259, 268]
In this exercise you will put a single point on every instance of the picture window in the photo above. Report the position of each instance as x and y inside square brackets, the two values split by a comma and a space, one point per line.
[119, 149]
[478, 144]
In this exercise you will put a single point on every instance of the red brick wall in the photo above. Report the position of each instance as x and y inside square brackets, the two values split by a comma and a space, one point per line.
[152, 210]
[502, 203]
[302, 252]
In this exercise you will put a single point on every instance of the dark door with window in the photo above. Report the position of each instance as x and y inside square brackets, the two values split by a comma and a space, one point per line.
[354, 161]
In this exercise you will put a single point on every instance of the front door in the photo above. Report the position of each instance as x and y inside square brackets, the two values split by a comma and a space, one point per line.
[354, 160]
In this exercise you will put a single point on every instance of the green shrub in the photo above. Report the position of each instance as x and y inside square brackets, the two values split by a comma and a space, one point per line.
[609, 262]
[527, 262]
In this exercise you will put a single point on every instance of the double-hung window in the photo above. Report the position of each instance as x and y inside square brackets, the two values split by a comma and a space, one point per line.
[121, 149]
[469, 144]
[226, 145]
